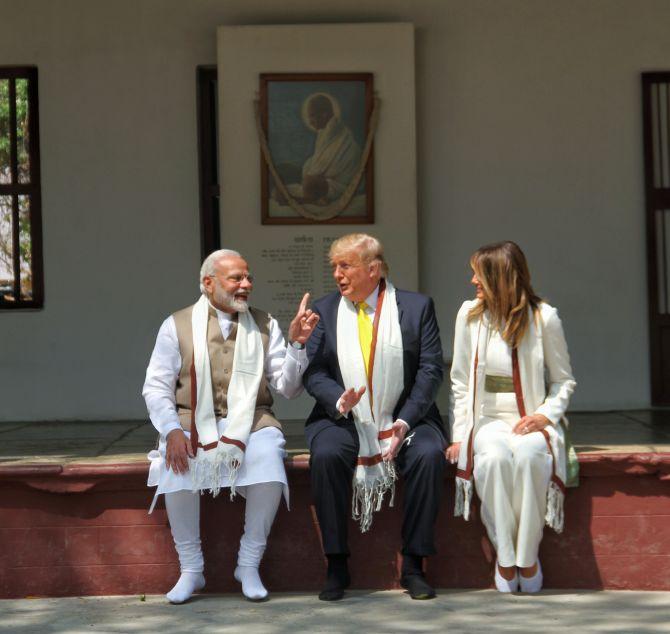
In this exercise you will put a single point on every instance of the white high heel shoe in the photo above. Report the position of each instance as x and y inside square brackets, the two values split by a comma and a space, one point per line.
[533, 584]
[506, 585]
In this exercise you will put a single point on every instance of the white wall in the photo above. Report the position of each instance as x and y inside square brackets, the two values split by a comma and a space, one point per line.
[529, 127]
[387, 51]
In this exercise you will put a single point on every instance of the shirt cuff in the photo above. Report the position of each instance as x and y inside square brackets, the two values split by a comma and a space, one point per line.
[457, 433]
[404, 422]
[168, 427]
[548, 414]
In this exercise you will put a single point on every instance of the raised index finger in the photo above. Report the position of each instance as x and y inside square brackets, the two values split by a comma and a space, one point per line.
[303, 303]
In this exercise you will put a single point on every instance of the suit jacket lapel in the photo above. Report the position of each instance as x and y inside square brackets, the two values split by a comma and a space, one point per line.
[406, 339]
[401, 314]
[331, 333]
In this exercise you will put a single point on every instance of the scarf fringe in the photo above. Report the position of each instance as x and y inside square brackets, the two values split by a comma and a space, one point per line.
[368, 495]
[555, 497]
[390, 466]
[232, 464]
[463, 498]
[209, 466]
[554, 515]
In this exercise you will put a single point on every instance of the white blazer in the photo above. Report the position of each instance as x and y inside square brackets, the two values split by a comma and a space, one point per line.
[546, 383]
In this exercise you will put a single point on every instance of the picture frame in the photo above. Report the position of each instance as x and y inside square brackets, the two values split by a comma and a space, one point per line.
[316, 132]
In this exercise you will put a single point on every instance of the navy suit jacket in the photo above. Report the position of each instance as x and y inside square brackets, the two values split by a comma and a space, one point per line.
[422, 361]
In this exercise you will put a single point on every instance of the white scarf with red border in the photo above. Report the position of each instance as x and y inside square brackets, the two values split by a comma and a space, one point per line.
[216, 455]
[373, 418]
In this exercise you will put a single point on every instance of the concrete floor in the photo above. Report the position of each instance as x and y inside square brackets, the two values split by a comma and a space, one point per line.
[634, 431]
[453, 611]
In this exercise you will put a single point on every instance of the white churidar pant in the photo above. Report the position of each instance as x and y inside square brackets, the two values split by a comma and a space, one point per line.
[511, 474]
[261, 480]
[183, 510]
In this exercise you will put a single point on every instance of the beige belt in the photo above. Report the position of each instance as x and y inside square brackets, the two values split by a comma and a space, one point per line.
[496, 384]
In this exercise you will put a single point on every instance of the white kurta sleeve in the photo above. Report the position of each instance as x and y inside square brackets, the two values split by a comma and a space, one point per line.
[460, 373]
[284, 365]
[161, 379]
[557, 362]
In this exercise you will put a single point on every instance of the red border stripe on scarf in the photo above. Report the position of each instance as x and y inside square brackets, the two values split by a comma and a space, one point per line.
[371, 461]
[226, 440]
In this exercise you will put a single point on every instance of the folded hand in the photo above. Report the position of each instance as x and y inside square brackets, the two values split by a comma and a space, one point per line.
[529, 424]
[399, 431]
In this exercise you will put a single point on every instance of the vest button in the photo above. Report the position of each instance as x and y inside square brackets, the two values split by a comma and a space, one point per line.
[225, 371]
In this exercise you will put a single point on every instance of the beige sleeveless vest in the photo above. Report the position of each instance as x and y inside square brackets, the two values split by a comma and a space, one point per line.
[221, 352]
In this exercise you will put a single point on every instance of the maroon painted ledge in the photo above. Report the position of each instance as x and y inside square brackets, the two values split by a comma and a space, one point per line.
[84, 476]
[82, 529]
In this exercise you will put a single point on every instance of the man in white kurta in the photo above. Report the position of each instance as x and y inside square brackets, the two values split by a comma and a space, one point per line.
[261, 478]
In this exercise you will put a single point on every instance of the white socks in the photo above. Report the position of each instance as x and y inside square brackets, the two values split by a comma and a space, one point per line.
[189, 582]
[252, 586]
[183, 509]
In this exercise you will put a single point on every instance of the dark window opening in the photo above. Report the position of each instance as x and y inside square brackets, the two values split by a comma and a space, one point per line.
[656, 126]
[210, 228]
[21, 275]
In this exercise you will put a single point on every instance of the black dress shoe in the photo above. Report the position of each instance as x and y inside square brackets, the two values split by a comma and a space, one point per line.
[335, 587]
[417, 586]
[331, 594]
[337, 578]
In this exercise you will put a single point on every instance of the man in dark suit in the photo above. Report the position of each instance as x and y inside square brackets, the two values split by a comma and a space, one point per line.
[415, 438]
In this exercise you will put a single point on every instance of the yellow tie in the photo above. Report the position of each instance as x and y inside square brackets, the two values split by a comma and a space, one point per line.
[364, 334]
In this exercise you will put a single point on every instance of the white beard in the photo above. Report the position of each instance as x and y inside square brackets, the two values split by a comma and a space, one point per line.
[224, 298]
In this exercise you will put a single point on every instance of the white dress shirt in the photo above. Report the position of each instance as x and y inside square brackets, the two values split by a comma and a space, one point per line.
[284, 366]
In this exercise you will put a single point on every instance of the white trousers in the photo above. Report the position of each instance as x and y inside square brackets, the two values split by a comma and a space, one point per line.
[511, 474]
[183, 509]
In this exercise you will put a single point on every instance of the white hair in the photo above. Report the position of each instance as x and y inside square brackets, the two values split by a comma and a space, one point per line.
[208, 267]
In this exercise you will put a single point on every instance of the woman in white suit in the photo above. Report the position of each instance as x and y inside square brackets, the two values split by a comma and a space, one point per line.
[508, 434]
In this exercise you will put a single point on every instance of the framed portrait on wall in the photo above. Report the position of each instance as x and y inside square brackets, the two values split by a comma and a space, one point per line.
[316, 132]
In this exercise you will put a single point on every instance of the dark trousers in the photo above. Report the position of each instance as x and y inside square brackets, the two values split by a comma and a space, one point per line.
[421, 463]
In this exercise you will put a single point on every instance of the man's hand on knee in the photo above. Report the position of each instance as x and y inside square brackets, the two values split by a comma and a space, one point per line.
[178, 451]
[399, 431]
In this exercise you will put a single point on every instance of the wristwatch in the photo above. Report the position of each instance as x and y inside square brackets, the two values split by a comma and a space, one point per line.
[297, 345]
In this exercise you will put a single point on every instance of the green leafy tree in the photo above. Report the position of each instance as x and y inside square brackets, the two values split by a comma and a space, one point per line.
[6, 243]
